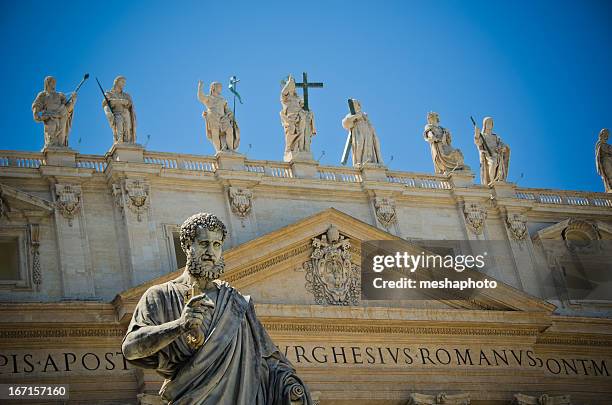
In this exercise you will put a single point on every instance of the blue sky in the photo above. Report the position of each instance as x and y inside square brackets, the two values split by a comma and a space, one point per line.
[540, 68]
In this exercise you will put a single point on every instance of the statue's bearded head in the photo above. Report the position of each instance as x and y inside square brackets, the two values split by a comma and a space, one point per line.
[604, 134]
[119, 83]
[202, 236]
[433, 118]
[215, 88]
[357, 105]
[50, 84]
[487, 125]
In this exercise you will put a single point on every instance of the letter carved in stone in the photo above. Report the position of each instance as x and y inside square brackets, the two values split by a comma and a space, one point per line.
[68, 200]
[517, 225]
[475, 217]
[385, 211]
[330, 275]
[240, 201]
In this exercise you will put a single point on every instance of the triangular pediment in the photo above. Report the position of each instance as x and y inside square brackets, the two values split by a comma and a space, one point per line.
[17, 202]
[270, 268]
[592, 229]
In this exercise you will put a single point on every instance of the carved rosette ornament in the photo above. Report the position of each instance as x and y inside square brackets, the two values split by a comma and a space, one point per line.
[475, 217]
[330, 275]
[517, 226]
[385, 211]
[544, 399]
[34, 248]
[440, 398]
[68, 200]
[241, 201]
[134, 195]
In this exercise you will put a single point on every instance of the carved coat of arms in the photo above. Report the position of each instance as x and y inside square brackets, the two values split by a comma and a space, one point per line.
[475, 217]
[68, 200]
[240, 201]
[517, 225]
[330, 275]
[133, 194]
[385, 210]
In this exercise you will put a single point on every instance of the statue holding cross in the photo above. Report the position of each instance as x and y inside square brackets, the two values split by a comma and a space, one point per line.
[297, 119]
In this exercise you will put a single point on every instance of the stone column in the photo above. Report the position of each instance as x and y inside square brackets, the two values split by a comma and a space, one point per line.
[72, 241]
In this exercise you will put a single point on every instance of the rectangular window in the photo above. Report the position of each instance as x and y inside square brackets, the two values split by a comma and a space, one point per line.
[9, 258]
[181, 259]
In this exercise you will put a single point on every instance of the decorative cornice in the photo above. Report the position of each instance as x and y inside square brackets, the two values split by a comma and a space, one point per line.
[241, 273]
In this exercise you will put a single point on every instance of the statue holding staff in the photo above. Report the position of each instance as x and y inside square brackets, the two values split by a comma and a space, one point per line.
[221, 126]
[446, 159]
[119, 110]
[603, 159]
[494, 154]
[55, 111]
[362, 137]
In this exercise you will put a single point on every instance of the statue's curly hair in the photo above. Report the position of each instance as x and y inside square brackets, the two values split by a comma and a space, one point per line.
[203, 219]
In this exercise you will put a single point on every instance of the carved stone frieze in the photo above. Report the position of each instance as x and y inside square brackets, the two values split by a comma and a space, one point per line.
[385, 211]
[240, 200]
[475, 216]
[68, 200]
[440, 398]
[517, 226]
[330, 275]
[544, 399]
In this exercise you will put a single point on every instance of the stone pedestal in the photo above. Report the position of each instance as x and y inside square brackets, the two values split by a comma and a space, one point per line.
[303, 165]
[127, 152]
[504, 190]
[462, 178]
[373, 172]
[299, 157]
[230, 160]
[59, 156]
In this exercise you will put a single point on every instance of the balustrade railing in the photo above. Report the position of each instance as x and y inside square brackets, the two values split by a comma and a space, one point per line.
[179, 161]
[21, 159]
[418, 181]
[98, 163]
[562, 197]
[339, 174]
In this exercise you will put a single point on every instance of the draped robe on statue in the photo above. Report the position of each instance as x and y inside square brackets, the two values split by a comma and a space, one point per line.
[238, 363]
[365, 144]
[603, 162]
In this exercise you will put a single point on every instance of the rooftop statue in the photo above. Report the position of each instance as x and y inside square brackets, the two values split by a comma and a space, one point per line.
[362, 137]
[221, 126]
[297, 120]
[603, 159]
[55, 111]
[204, 337]
[494, 154]
[446, 159]
[119, 110]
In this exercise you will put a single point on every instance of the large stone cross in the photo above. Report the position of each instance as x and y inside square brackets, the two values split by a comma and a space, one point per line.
[305, 85]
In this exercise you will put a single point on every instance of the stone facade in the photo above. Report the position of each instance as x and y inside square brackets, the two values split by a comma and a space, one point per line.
[95, 231]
